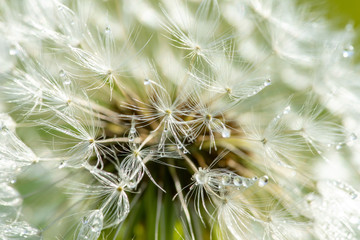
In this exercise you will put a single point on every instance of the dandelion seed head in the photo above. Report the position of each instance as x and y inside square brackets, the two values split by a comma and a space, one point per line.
[234, 109]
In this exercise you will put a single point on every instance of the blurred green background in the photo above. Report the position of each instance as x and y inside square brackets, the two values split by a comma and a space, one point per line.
[344, 11]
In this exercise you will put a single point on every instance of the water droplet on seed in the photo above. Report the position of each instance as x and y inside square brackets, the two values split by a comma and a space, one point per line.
[238, 181]
[62, 73]
[339, 146]
[225, 180]
[226, 133]
[107, 30]
[62, 165]
[147, 81]
[201, 177]
[246, 183]
[66, 79]
[353, 195]
[287, 110]
[348, 51]
[13, 51]
[132, 130]
[263, 181]
[352, 137]
[267, 82]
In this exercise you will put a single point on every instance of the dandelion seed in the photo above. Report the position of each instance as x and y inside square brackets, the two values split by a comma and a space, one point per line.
[9, 196]
[18, 230]
[91, 226]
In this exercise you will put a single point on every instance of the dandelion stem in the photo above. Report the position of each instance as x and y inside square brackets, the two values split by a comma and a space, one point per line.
[112, 140]
[188, 161]
[182, 199]
[101, 116]
[147, 139]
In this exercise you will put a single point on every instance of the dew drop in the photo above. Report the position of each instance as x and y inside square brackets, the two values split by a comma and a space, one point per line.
[107, 30]
[66, 79]
[263, 181]
[287, 110]
[238, 181]
[147, 81]
[226, 133]
[62, 73]
[339, 146]
[131, 138]
[132, 130]
[62, 165]
[225, 180]
[97, 225]
[267, 82]
[67, 82]
[352, 137]
[13, 51]
[201, 177]
[246, 183]
[348, 51]
[353, 195]
[131, 183]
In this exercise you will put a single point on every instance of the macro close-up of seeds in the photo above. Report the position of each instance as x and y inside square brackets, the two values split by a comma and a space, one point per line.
[179, 119]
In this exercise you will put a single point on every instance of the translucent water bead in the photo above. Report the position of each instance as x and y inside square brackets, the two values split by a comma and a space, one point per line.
[225, 133]
[64, 77]
[238, 181]
[344, 187]
[263, 181]
[352, 137]
[226, 180]
[107, 30]
[147, 81]
[201, 177]
[91, 225]
[287, 110]
[131, 138]
[6, 122]
[132, 130]
[13, 50]
[267, 82]
[348, 51]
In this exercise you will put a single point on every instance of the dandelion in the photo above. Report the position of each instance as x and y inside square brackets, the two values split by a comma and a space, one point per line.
[177, 120]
